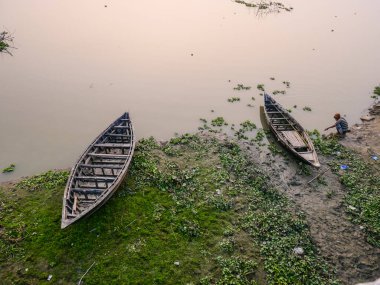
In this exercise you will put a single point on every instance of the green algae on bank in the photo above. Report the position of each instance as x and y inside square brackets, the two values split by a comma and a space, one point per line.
[202, 214]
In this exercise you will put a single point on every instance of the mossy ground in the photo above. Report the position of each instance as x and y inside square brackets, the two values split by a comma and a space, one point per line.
[193, 211]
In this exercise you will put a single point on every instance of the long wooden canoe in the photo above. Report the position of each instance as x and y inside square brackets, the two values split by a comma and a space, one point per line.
[289, 132]
[99, 171]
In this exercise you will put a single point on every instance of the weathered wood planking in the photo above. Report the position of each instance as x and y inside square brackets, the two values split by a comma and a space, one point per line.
[99, 171]
[289, 132]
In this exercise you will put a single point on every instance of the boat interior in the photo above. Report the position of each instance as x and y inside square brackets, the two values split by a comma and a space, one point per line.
[98, 169]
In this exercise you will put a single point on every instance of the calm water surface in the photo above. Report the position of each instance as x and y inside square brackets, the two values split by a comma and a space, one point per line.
[78, 65]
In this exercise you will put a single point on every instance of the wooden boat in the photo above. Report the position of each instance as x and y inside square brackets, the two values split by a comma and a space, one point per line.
[289, 132]
[99, 171]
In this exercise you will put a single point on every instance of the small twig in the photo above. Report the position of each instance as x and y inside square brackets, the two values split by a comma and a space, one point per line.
[320, 174]
[80, 280]
[131, 223]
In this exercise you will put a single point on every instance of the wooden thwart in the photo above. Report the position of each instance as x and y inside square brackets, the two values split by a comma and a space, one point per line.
[108, 155]
[113, 145]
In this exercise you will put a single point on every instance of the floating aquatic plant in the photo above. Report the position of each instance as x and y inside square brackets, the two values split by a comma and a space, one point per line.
[260, 87]
[233, 99]
[10, 168]
[279, 92]
[218, 122]
[376, 92]
[248, 126]
[5, 42]
[242, 87]
[307, 109]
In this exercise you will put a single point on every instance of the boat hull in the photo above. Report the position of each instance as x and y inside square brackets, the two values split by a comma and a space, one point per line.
[289, 132]
[99, 171]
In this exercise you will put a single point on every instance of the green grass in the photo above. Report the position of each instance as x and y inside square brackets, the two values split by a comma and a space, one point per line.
[202, 214]
[362, 181]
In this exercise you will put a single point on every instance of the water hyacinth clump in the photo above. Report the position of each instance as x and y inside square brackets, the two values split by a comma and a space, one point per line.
[218, 122]
[233, 99]
[242, 87]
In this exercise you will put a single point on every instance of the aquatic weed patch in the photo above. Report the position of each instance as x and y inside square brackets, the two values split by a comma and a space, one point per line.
[48, 180]
[376, 92]
[9, 168]
[193, 210]
[218, 122]
[233, 99]
[5, 42]
[362, 181]
[242, 87]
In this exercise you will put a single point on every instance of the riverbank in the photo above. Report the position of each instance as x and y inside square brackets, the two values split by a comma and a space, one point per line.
[201, 209]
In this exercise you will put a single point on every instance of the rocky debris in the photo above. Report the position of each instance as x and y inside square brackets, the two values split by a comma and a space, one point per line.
[298, 250]
[367, 118]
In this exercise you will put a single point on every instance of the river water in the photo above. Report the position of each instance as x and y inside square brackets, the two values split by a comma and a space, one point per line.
[79, 64]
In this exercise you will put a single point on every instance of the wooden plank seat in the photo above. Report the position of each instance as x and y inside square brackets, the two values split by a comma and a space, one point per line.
[106, 166]
[89, 191]
[113, 145]
[95, 178]
[280, 123]
[117, 135]
[108, 155]
[294, 138]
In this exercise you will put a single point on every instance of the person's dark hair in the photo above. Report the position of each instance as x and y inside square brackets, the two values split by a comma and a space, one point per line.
[337, 116]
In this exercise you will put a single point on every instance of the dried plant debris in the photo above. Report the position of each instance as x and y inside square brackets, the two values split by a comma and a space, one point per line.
[265, 6]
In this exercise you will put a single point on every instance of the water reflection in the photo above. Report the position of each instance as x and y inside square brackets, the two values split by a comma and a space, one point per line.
[78, 65]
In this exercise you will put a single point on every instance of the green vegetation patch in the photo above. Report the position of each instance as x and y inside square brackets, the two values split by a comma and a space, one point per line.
[218, 122]
[260, 87]
[361, 179]
[242, 87]
[376, 92]
[307, 109]
[5, 40]
[233, 99]
[10, 168]
[275, 92]
[204, 214]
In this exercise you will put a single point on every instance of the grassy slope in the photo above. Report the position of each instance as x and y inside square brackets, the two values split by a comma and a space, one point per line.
[167, 211]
